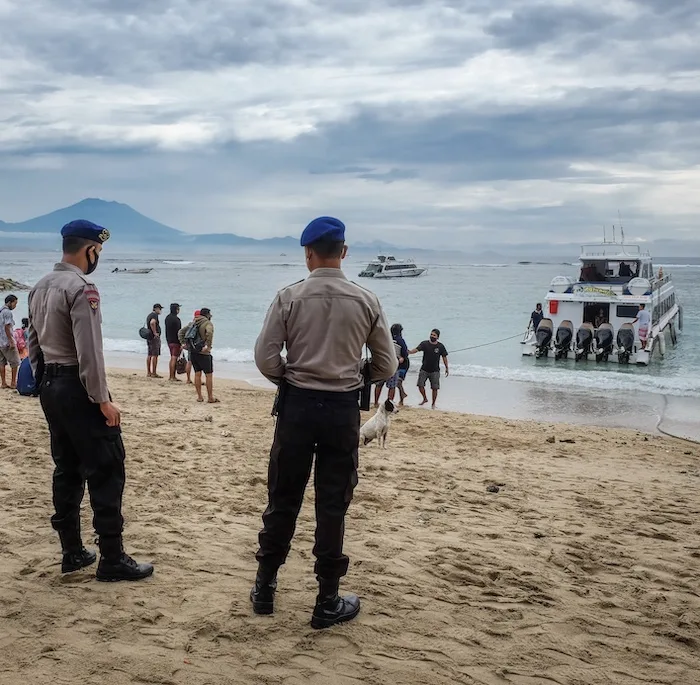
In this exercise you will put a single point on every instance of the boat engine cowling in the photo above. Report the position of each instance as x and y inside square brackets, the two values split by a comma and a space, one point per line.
[543, 336]
[584, 341]
[625, 343]
[565, 335]
[605, 340]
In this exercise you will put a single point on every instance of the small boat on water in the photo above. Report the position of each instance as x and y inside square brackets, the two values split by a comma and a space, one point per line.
[390, 267]
[593, 317]
[131, 271]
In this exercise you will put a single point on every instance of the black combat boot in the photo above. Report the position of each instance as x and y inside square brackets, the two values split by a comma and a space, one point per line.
[263, 593]
[115, 564]
[75, 556]
[330, 607]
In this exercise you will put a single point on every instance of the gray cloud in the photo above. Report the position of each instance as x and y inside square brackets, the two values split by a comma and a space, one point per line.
[453, 118]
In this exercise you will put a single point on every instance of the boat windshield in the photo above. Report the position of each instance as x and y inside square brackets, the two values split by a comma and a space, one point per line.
[608, 271]
[373, 268]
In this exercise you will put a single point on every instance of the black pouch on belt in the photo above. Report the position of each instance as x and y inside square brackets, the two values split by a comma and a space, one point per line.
[366, 391]
[279, 398]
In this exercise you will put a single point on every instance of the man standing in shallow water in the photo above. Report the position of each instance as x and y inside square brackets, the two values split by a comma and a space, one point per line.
[433, 350]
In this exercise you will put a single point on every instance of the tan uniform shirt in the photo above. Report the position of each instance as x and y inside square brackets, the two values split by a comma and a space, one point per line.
[324, 322]
[65, 323]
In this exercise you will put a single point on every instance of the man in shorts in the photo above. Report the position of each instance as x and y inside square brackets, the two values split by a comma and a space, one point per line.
[200, 357]
[153, 325]
[9, 355]
[433, 350]
[644, 319]
[172, 330]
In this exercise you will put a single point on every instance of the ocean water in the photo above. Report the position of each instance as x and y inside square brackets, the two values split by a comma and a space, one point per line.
[470, 303]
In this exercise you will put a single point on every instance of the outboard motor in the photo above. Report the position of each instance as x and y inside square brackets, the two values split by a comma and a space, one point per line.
[625, 343]
[605, 341]
[543, 337]
[565, 335]
[584, 341]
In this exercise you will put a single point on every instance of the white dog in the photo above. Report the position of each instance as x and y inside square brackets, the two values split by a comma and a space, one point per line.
[378, 426]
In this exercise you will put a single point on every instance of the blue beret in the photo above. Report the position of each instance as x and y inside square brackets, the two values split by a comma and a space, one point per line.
[323, 228]
[81, 228]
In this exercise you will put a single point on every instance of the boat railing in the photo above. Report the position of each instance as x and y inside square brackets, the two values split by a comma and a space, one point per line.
[660, 282]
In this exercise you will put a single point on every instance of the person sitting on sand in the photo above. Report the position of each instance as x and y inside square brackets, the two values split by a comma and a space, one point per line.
[433, 351]
[21, 335]
[199, 341]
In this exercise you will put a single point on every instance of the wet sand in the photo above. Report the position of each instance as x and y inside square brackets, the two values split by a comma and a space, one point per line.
[582, 570]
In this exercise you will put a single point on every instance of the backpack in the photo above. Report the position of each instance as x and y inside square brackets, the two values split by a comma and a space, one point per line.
[145, 333]
[26, 384]
[193, 340]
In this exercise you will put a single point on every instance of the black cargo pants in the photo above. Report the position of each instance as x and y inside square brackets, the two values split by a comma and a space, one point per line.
[326, 424]
[84, 449]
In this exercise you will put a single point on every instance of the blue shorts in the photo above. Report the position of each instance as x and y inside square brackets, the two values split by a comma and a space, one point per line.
[402, 374]
[393, 381]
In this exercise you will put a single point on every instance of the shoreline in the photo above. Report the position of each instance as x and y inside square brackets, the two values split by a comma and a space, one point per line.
[511, 400]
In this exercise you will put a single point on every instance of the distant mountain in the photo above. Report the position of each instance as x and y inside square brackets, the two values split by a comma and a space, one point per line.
[125, 223]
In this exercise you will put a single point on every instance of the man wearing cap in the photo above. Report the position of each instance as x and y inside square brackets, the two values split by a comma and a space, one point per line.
[172, 330]
[65, 350]
[199, 349]
[153, 341]
[324, 322]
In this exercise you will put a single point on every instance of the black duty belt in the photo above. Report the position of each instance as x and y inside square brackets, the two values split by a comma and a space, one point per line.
[294, 391]
[58, 370]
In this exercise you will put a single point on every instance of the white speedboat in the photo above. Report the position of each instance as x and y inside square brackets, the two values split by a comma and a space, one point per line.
[390, 267]
[593, 317]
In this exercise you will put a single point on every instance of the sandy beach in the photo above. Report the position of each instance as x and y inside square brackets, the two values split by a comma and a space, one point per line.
[582, 570]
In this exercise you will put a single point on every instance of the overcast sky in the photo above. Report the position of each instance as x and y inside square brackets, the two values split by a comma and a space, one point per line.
[435, 123]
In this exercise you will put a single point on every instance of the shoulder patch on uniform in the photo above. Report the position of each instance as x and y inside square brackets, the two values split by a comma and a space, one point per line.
[93, 297]
[291, 285]
[362, 287]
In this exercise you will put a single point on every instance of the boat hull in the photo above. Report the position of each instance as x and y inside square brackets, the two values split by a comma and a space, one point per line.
[667, 327]
[407, 273]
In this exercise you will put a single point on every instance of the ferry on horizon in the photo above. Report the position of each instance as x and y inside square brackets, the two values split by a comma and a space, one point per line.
[592, 317]
[390, 267]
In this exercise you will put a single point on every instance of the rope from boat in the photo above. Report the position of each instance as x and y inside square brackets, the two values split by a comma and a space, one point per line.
[493, 342]
[666, 433]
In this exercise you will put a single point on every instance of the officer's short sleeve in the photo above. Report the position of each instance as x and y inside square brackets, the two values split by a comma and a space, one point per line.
[33, 341]
[270, 342]
[86, 321]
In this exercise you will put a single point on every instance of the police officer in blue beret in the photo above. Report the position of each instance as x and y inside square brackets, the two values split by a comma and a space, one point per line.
[324, 322]
[65, 351]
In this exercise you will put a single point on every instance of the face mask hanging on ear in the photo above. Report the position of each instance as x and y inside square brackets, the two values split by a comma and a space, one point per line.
[92, 263]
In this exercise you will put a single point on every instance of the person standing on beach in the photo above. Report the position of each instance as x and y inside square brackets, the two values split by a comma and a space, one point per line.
[324, 322]
[396, 381]
[172, 331]
[153, 325]
[9, 356]
[199, 345]
[65, 352]
[433, 350]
